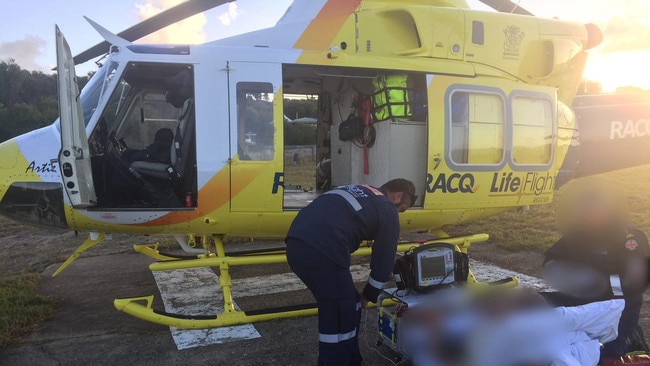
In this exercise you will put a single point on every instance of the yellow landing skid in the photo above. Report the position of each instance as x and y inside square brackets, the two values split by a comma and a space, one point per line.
[93, 239]
[141, 307]
[151, 250]
[134, 307]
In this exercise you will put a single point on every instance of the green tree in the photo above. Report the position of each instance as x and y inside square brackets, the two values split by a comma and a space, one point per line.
[259, 118]
[5, 131]
[25, 117]
[28, 99]
[299, 133]
[299, 108]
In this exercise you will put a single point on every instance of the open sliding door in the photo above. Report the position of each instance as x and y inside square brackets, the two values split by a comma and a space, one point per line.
[74, 157]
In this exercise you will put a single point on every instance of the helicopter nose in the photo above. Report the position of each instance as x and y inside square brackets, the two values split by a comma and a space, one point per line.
[24, 196]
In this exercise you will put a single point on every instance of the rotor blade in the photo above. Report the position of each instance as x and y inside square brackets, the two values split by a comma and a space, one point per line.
[506, 6]
[153, 24]
[107, 35]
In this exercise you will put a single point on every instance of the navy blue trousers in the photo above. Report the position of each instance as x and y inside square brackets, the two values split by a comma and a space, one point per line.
[339, 306]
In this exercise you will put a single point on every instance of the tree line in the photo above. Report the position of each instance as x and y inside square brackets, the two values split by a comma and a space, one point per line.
[28, 99]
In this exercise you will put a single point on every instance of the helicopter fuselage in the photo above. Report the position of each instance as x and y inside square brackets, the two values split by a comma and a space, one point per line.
[491, 134]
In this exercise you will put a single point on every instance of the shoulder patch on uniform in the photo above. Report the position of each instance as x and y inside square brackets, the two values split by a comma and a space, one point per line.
[629, 236]
[631, 244]
[354, 190]
[374, 190]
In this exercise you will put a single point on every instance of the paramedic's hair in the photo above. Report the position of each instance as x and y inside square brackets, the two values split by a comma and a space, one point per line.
[401, 185]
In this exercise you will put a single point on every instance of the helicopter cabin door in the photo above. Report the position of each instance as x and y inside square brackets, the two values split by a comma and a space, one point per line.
[74, 157]
[256, 139]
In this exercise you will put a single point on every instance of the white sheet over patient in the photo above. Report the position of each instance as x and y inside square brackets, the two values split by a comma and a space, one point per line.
[564, 336]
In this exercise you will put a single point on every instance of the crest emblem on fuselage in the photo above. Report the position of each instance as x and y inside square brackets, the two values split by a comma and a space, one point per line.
[512, 42]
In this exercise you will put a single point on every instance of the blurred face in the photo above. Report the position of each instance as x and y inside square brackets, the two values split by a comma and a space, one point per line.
[594, 218]
[596, 213]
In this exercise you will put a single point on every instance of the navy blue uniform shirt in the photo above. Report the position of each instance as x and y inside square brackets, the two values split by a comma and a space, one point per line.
[606, 252]
[336, 222]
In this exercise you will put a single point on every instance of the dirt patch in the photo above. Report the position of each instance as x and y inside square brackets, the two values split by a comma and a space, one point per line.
[26, 249]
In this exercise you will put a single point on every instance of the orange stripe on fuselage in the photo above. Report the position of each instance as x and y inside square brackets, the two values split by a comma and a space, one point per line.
[214, 195]
[321, 31]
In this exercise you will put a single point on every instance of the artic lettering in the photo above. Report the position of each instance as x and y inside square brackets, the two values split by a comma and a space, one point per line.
[49, 167]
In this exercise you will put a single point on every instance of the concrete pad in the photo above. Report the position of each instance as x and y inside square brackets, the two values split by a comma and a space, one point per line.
[196, 291]
[88, 330]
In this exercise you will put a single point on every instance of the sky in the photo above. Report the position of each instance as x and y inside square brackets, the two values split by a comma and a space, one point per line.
[27, 29]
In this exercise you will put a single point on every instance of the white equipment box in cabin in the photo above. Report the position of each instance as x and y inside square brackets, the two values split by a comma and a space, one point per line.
[399, 151]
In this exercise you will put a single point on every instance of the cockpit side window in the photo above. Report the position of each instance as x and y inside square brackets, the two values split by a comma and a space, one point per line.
[132, 161]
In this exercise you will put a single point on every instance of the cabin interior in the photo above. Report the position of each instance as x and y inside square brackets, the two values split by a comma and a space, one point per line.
[391, 148]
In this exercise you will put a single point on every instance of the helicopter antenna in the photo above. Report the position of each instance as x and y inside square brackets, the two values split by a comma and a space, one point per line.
[100, 62]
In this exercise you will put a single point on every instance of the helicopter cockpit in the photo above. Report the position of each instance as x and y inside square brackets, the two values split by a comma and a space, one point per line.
[127, 172]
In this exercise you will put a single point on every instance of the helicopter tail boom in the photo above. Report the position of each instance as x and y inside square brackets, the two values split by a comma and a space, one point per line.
[613, 132]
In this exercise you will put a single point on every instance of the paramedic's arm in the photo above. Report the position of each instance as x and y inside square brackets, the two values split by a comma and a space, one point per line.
[382, 259]
[635, 270]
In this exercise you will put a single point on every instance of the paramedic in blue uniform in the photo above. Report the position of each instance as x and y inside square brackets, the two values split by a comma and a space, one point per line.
[319, 244]
[600, 257]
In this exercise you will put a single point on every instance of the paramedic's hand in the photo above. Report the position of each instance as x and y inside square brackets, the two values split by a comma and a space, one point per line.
[364, 302]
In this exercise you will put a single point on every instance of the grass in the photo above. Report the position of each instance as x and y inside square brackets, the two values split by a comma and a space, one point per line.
[21, 308]
[302, 174]
[536, 229]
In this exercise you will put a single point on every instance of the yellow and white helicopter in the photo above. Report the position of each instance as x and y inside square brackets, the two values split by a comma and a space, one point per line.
[472, 106]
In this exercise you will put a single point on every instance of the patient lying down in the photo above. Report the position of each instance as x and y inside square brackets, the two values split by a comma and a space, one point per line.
[510, 328]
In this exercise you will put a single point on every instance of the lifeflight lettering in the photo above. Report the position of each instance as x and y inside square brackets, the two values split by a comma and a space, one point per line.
[533, 182]
[502, 183]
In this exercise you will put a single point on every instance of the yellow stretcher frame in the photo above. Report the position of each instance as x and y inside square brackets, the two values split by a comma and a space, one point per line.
[141, 307]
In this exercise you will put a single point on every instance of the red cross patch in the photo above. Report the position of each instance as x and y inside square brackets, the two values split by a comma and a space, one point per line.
[631, 244]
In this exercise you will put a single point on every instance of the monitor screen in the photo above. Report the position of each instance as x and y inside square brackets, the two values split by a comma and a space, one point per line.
[432, 266]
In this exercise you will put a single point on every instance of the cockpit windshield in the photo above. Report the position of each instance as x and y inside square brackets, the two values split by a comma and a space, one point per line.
[93, 91]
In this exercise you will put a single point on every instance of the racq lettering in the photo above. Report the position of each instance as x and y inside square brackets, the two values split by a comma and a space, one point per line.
[450, 184]
[629, 128]
[534, 182]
